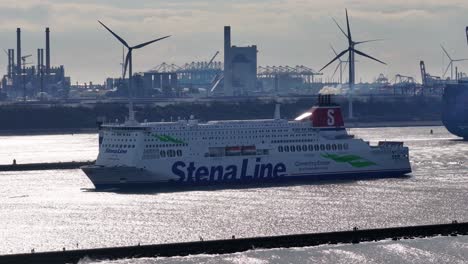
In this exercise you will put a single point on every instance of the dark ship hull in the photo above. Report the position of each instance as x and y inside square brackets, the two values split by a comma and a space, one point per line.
[455, 109]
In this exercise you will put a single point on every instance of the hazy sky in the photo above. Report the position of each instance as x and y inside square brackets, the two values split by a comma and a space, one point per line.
[287, 32]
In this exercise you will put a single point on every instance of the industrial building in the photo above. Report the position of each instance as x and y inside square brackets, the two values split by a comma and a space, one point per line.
[240, 67]
[26, 80]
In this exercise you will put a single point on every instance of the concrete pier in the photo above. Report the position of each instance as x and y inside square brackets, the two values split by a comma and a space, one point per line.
[45, 166]
[239, 245]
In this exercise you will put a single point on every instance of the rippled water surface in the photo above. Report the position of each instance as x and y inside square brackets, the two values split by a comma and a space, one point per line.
[48, 210]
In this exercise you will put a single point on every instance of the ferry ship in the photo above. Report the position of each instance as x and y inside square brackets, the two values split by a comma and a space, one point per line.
[314, 146]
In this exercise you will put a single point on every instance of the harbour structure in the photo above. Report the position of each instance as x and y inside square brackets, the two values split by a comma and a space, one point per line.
[351, 50]
[26, 80]
[286, 79]
[431, 84]
[404, 85]
[314, 146]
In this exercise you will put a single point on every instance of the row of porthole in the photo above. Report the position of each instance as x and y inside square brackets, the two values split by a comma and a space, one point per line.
[166, 145]
[293, 140]
[170, 153]
[118, 146]
[316, 147]
[120, 139]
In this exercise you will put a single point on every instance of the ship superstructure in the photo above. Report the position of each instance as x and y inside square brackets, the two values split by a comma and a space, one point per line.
[315, 146]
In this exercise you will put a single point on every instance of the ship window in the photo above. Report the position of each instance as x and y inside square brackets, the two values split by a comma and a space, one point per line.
[170, 153]
[298, 147]
[340, 147]
[304, 147]
[322, 147]
[328, 147]
[162, 153]
[179, 153]
[311, 147]
[293, 149]
[316, 147]
[280, 148]
[334, 147]
[286, 148]
[345, 146]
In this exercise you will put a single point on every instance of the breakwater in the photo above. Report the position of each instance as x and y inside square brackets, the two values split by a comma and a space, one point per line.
[45, 166]
[239, 244]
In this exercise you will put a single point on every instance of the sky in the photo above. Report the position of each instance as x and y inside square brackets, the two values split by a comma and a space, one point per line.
[286, 32]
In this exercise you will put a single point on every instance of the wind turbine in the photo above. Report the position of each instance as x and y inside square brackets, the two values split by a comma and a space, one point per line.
[340, 65]
[450, 65]
[128, 62]
[351, 52]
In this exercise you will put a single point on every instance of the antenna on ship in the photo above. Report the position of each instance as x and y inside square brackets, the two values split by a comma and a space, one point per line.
[351, 51]
[128, 62]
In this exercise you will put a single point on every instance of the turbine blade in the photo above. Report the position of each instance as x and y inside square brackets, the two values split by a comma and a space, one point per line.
[446, 53]
[370, 57]
[127, 60]
[6, 52]
[460, 60]
[336, 69]
[344, 33]
[349, 30]
[115, 35]
[366, 41]
[337, 57]
[334, 51]
[149, 42]
[448, 67]
[345, 64]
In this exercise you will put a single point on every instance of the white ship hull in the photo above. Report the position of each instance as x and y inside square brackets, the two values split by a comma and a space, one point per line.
[239, 170]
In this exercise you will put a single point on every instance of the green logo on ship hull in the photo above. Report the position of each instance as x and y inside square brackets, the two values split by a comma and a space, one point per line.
[353, 160]
[166, 138]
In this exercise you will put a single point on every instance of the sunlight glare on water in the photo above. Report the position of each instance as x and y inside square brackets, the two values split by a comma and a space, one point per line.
[49, 210]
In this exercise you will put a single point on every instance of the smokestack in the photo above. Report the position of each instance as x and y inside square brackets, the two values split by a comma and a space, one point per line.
[12, 69]
[18, 51]
[38, 62]
[47, 52]
[227, 61]
[42, 60]
[9, 63]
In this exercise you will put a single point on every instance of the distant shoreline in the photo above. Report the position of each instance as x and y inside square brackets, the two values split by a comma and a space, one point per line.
[356, 124]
